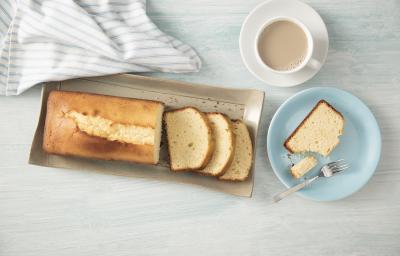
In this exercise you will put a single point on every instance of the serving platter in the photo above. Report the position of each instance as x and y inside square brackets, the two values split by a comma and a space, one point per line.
[245, 104]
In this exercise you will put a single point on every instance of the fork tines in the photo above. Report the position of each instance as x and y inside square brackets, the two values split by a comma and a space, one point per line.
[338, 166]
[340, 161]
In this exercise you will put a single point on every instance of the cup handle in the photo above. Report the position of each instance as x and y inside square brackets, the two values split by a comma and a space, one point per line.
[314, 64]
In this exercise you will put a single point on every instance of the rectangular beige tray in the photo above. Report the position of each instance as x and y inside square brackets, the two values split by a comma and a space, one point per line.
[236, 103]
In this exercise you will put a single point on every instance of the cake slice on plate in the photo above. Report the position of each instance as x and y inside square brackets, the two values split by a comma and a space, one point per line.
[305, 165]
[319, 132]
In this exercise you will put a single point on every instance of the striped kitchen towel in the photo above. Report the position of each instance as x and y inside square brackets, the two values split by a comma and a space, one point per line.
[53, 40]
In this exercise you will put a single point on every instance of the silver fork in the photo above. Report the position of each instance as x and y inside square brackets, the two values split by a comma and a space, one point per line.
[326, 171]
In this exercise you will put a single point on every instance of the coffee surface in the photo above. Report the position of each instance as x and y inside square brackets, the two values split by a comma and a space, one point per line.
[283, 45]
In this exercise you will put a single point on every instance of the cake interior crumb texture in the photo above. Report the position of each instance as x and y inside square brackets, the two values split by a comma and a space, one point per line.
[319, 132]
[304, 166]
[189, 137]
[241, 165]
[105, 128]
[222, 131]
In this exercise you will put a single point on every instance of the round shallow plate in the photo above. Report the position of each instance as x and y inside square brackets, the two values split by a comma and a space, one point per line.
[360, 144]
[289, 8]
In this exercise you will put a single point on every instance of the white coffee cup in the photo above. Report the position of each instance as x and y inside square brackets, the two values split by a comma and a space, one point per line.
[308, 61]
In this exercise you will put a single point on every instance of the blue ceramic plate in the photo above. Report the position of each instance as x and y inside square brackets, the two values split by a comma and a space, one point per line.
[360, 144]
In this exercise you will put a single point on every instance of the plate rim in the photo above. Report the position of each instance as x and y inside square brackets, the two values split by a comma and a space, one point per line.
[375, 123]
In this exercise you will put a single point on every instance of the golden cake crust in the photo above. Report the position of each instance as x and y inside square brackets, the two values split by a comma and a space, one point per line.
[62, 136]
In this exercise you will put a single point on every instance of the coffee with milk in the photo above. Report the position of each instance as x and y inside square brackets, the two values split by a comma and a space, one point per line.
[282, 45]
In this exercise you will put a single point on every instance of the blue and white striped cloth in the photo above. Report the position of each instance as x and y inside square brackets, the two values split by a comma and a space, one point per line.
[53, 40]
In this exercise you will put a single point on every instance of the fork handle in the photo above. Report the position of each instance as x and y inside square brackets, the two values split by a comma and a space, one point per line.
[291, 190]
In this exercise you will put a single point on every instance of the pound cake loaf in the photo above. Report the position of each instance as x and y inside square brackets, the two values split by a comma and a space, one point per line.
[222, 131]
[190, 141]
[305, 165]
[103, 127]
[319, 132]
[240, 168]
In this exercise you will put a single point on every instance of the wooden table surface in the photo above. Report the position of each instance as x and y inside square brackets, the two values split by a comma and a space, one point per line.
[46, 211]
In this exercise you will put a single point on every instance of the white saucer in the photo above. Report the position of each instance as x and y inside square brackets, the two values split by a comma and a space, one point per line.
[289, 8]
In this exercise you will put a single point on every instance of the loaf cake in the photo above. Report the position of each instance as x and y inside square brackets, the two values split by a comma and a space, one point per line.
[305, 165]
[222, 131]
[190, 141]
[103, 127]
[319, 132]
[240, 167]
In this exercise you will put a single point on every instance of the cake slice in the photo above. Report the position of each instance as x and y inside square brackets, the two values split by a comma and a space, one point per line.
[304, 166]
[190, 141]
[224, 138]
[240, 168]
[319, 132]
